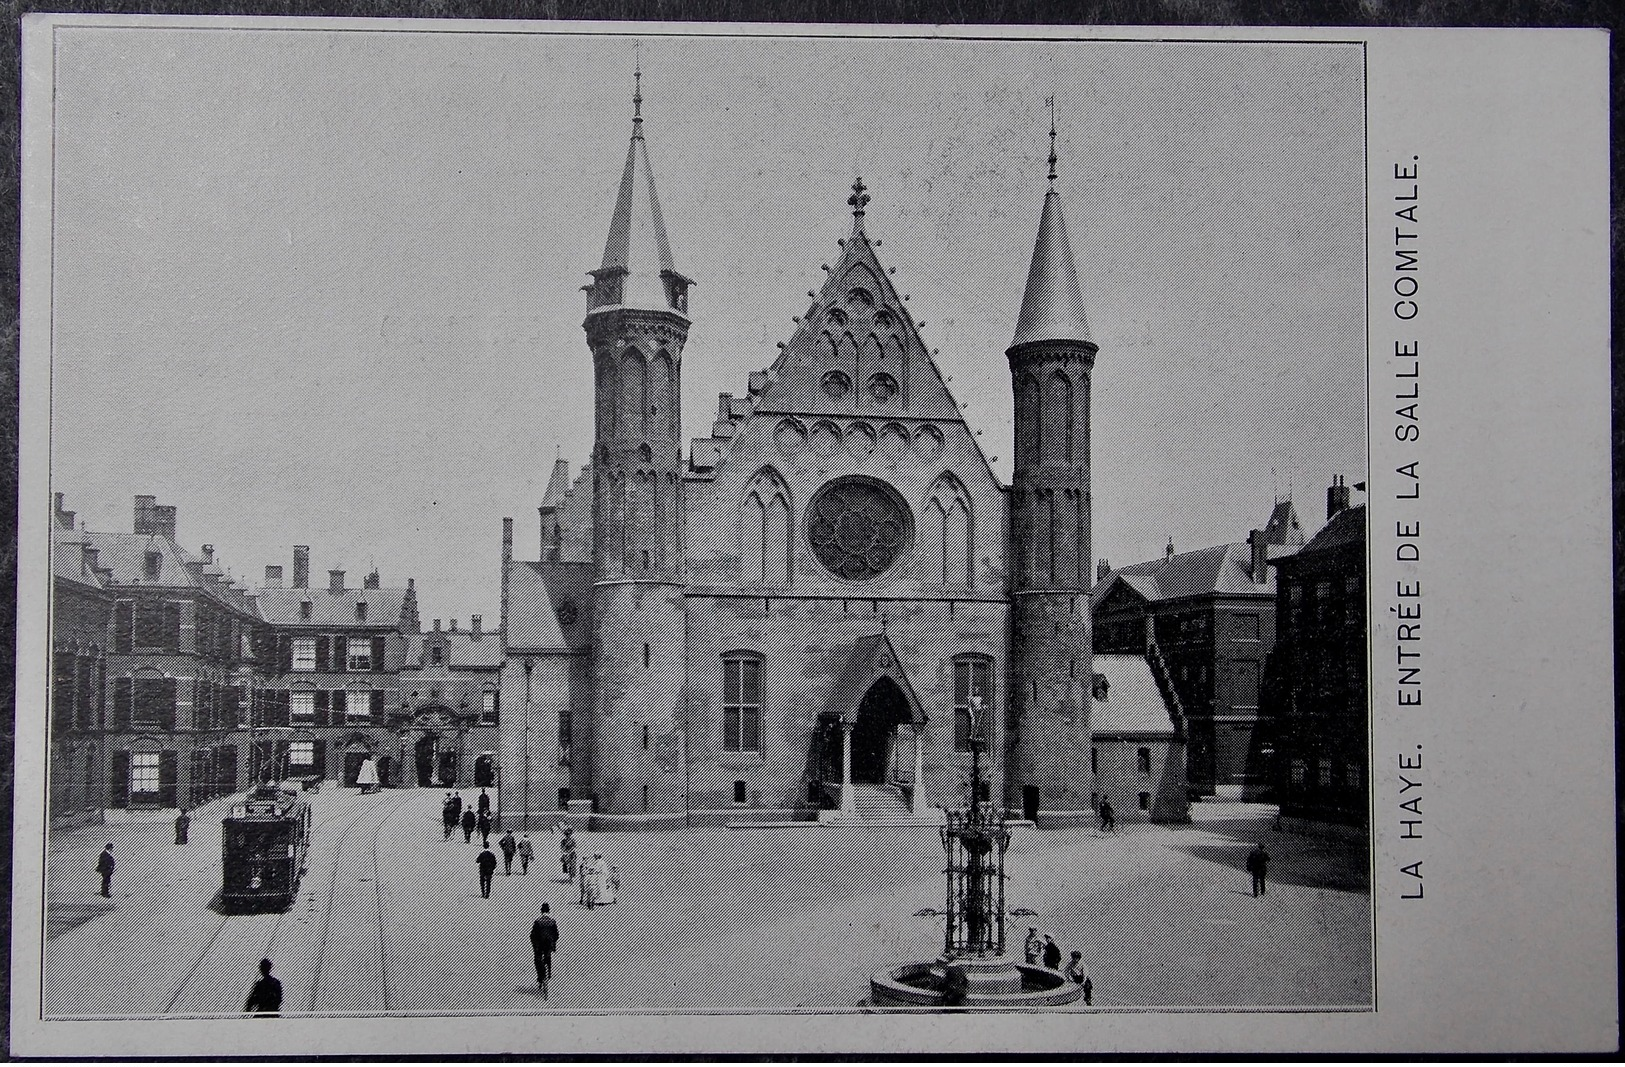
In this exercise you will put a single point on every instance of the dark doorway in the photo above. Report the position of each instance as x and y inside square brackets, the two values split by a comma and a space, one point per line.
[485, 774]
[1029, 803]
[386, 771]
[883, 709]
[424, 751]
[352, 766]
[448, 768]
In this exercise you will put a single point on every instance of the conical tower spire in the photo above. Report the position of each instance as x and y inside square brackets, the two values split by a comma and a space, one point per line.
[1052, 306]
[637, 270]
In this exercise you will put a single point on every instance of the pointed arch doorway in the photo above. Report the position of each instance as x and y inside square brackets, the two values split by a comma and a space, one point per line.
[882, 711]
[858, 743]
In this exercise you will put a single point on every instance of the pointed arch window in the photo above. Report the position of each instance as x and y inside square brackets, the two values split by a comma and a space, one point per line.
[948, 546]
[764, 537]
[1029, 428]
[1057, 442]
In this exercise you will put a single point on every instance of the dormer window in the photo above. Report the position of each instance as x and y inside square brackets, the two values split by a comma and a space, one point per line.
[361, 611]
[436, 655]
[304, 609]
[155, 565]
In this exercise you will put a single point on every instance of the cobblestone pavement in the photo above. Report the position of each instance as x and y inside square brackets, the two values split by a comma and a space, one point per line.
[390, 918]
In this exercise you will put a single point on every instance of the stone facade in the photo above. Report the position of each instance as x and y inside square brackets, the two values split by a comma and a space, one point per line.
[819, 597]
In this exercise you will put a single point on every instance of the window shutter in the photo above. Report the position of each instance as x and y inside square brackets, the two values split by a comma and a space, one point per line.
[322, 644]
[378, 706]
[167, 770]
[279, 708]
[118, 777]
[172, 627]
[319, 758]
[166, 705]
[284, 653]
[123, 705]
[341, 653]
[322, 707]
[123, 626]
[378, 654]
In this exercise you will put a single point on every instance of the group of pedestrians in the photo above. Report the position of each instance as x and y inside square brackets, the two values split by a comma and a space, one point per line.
[1042, 950]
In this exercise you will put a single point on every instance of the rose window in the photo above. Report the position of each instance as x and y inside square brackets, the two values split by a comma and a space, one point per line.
[857, 527]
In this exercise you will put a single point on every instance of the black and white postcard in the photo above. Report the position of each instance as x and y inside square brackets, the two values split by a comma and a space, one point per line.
[553, 538]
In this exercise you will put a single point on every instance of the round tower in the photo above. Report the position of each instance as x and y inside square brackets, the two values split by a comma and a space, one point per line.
[1051, 665]
[636, 326]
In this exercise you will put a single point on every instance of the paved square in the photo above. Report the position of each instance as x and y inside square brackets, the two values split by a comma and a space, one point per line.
[389, 917]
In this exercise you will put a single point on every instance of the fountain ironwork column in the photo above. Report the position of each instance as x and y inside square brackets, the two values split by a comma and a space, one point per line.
[975, 839]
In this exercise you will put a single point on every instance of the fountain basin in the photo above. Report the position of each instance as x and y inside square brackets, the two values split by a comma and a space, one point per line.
[993, 982]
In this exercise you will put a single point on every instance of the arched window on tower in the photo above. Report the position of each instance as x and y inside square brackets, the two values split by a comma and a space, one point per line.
[764, 533]
[662, 398]
[949, 537]
[1029, 427]
[634, 394]
[1058, 420]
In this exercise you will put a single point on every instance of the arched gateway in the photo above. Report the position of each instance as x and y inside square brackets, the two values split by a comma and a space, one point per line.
[432, 747]
[864, 725]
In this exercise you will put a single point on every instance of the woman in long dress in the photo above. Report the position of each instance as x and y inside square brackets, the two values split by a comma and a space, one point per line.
[600, 890]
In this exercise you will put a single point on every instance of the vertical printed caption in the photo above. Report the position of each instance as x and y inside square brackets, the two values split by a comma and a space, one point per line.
[1406, 368]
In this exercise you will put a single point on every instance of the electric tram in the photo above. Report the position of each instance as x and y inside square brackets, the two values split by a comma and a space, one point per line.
[263, 846]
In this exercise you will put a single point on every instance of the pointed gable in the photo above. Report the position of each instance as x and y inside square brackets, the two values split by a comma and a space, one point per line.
[873, 658]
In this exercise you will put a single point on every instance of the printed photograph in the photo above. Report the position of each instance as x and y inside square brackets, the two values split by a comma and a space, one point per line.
[703, 522]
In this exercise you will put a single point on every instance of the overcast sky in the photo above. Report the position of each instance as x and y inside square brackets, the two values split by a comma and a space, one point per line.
[323, 287]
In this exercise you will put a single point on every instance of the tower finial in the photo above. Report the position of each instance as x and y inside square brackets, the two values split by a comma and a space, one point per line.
[637, 82]
[1051, 102]
[858, 199]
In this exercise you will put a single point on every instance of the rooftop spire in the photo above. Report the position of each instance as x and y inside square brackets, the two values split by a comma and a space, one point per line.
[1052, 306]
[637, 270]
[858, 199]
[637, 90]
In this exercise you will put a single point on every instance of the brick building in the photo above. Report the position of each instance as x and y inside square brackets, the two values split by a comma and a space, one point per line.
[1205, 620]
[1318, 672]
[332, 694]
[806, 609]
[81, 628]
[1137, 753]
[450, 707]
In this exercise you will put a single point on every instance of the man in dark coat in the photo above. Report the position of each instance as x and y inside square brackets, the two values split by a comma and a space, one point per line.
[468, 825]
[104, 867]
[488, 868]
[183, 824]
[544, 938]
[484, 822]
[266, 996]
[484, 803]
[1258, 864]
[1052, 953]
[508, 846]
[1108, 817]
[449, 816]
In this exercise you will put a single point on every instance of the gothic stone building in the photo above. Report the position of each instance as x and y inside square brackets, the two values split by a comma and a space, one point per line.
[820, 602]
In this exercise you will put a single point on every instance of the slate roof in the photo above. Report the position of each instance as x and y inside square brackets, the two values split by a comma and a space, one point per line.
[637, 241]
[1219, 570]
[463, 650]
[68, 560]
[872, 657]
[1133, 703]
[330, 609]
[535, 593]
[1347, 527]
[1051, 305]
[125, 555]
[1283, 527]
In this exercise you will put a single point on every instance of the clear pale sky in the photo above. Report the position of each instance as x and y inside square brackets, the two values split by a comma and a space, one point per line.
[324, 287]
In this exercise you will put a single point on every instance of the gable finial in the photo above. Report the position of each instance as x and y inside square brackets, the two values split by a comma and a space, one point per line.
[1051, 102]
[858, 199]
[637, 82]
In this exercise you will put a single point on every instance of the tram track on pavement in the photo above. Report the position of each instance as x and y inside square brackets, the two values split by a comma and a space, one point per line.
[319, 969]
[245, 922]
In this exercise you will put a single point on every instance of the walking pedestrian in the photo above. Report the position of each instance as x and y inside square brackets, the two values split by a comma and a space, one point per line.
[1108, 817]
[266, 996]
[104, 867]
[448, 816]
[1035, 945]
[567, 853]
[468, 825]
[485, 803]
[527, 852]
[484, 822]
[1258, 864]
[183, 824]
[1088, 990]
[1052, 953]
[457, 806]
[508, 846]
[1075, 970]
[544, 939]
[600, 886]
[488, 868]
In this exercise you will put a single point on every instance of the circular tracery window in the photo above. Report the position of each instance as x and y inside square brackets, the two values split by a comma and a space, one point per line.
[858, 527]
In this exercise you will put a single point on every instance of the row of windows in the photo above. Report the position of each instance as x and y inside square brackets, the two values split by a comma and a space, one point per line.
[337, 653]
[742, 701]
[1321, 602]
[1142, 761]
[1326, 773]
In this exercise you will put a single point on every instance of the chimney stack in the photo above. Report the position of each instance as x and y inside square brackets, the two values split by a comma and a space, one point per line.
[1337, 497]
[454, 626]
[64, 519]
[507, 539]
[208, 553]
[437, 626]
[371, 581]
[1102, 569]
[1261, 556]
[273, 576]
[163, 521]
[335, 581]
[144, 506]
[1168, 554]
[301, 566]
[474, 626]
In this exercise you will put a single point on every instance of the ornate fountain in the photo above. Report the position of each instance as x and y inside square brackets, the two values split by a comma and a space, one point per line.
[973, 970]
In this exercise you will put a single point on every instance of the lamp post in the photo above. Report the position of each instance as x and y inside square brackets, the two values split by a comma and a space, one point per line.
[526, 817]
[975, 840]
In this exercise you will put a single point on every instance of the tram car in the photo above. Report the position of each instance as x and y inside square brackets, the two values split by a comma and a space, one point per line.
[263, 847]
